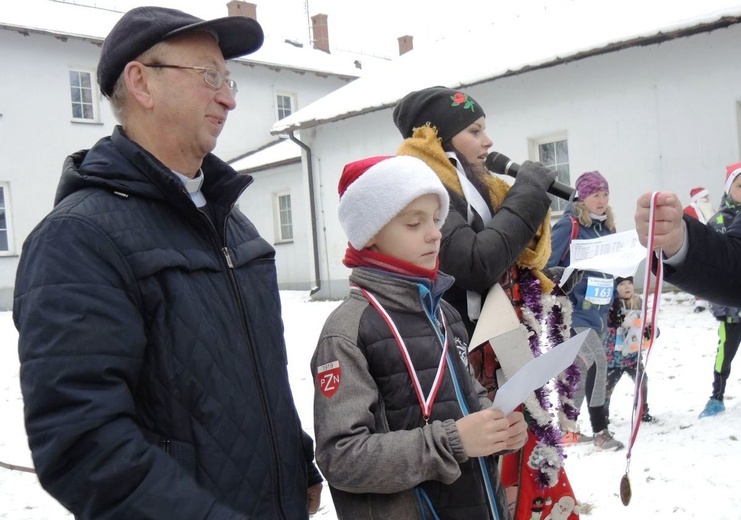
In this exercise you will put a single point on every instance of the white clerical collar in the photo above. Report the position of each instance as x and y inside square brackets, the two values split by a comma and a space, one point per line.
[193, 187]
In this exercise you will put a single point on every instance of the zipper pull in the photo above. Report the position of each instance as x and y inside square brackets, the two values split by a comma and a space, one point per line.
[228, 257]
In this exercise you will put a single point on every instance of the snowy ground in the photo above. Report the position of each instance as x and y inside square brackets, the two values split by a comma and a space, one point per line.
[681, 467]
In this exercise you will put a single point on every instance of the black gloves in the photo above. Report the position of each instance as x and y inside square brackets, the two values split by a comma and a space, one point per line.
[535, 173]
[555, 273]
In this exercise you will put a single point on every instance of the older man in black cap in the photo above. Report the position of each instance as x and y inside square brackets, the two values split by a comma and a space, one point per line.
[153, 366]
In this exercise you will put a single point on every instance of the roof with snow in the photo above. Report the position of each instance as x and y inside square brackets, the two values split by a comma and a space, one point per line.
[272, 155]
[578, 29]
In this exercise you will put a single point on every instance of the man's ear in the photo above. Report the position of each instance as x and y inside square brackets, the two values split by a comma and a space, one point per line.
[137, 83]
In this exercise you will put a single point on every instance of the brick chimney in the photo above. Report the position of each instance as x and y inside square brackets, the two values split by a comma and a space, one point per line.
[406, 44]
[240, 8]
[320, 31]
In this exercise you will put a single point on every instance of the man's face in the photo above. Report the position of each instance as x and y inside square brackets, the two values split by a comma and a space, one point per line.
[190, 112]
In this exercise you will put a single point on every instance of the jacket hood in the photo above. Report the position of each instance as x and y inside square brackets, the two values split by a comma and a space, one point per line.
[118, 164]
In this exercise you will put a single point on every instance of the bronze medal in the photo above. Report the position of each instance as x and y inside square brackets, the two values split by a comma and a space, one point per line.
[625, 492]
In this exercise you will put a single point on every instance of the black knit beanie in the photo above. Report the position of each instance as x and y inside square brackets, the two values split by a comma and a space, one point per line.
[450, 111]
[620, 279]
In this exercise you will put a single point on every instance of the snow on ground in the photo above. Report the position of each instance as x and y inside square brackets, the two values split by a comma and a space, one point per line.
[681, 467]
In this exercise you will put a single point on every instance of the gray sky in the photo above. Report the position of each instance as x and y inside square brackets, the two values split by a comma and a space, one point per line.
[371, 27]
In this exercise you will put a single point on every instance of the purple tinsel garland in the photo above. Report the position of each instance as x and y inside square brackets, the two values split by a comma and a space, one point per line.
[566, 384]
[547, 434]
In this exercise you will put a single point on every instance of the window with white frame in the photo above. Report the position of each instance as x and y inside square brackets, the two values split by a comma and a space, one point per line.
[6, 239]
[285, 104]
[555, 155]
[284, 221]
[82, 96]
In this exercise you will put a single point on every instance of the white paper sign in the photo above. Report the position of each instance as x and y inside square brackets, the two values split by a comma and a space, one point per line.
[618, 254]
[537, 373]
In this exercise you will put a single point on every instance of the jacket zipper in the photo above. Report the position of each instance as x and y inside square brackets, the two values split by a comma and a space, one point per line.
[224, 250]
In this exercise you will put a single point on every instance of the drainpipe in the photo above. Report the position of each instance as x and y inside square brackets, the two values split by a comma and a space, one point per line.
[314, 239]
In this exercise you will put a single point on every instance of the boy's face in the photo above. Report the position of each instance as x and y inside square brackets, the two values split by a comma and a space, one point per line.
[413, 235]
[625, 289]
[735, 190]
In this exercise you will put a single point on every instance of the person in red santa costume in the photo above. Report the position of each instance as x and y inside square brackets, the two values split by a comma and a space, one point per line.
[700, 208]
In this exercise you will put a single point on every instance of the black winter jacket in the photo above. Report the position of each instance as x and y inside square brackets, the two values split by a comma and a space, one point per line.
[478, 255]
[710, 270]
[153, 366]
[720, 222]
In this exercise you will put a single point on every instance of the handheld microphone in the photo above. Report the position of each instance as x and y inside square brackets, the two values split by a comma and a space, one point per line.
[498, 163]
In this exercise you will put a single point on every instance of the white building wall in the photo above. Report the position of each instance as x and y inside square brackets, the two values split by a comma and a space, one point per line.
[248, 126]
[36, 131]
[656, 117]
[293, 259]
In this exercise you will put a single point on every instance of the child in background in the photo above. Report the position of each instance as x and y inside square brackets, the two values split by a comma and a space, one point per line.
[586, 218]
[623, 342]
[729, 318]
[403, 429]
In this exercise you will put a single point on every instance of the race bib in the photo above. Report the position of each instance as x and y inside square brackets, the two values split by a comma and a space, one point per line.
[599, 290]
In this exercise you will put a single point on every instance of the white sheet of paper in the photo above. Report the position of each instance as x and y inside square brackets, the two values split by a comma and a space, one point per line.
[537, 373]
[618, 254]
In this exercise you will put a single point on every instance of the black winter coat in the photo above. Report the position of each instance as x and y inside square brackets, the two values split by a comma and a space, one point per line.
[478, 255]
[712, 266]
[153, 366]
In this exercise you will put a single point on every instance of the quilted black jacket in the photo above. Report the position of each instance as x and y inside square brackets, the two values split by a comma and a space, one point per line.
[153, 367]
[478, 255]
[713, 262]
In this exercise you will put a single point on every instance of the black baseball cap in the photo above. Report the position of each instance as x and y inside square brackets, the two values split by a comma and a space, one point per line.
[143, 27]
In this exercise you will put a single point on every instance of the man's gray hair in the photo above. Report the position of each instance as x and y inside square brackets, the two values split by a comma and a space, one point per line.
[119, 94]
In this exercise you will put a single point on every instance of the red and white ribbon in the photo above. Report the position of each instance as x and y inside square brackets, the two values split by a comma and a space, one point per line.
[425, 403]
[653, 261]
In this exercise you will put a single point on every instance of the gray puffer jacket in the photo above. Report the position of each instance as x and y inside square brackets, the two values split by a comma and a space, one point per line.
[373, 446]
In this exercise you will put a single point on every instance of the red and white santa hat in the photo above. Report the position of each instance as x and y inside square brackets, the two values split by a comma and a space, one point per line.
[732, 171]
[698, 193]
[374, 190]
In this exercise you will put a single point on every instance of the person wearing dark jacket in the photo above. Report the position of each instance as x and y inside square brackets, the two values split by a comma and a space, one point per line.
[153, 365]
[404, 431]
[495, 240]
[696, 258]
[592, 217]
[729, 318]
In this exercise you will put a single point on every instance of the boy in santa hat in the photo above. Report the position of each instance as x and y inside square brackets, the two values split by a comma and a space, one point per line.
[403, 429]
[700, 208]
[729, 318]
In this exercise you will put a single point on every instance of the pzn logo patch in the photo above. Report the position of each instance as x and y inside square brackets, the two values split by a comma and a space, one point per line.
[328, 377]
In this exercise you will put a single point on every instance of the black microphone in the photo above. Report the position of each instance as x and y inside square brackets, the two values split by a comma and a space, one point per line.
[499, 163]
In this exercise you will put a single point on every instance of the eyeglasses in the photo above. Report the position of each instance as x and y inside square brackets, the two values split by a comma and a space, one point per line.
[212, 77]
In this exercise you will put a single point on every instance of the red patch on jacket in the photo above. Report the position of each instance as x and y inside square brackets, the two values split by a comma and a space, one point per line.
[328, 377]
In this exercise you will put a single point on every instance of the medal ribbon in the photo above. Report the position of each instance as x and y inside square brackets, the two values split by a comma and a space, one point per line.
[652, 261]
[425, 403]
